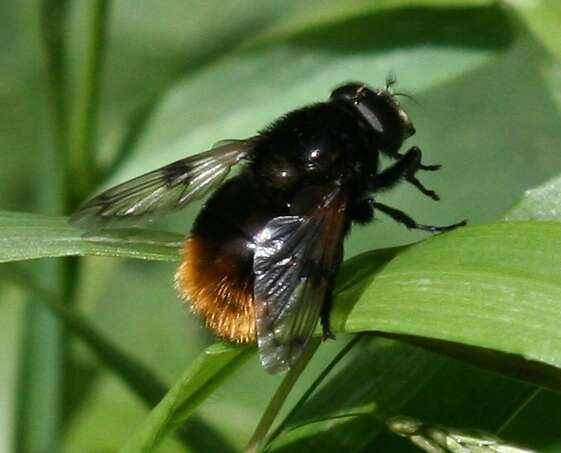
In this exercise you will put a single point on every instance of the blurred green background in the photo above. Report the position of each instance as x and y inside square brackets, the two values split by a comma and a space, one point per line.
[178, 76]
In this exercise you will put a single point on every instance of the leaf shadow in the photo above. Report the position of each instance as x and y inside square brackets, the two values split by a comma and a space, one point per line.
[512, 365]
[467, 27]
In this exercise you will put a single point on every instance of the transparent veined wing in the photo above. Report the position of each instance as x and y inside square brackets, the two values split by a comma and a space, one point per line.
[164, 190]
[295, 261]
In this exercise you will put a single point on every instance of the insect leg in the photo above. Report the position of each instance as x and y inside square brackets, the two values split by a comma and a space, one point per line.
[325, 316]
[398, 155]
[409, 222]
[361, 211]
[325, 313]
[421, 166]
[406, 167]
[429, 167]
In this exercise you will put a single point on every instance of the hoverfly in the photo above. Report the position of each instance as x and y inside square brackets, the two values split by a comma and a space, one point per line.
[261, 257]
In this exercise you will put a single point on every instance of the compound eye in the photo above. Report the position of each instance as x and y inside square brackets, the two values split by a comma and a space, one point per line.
[370, 116]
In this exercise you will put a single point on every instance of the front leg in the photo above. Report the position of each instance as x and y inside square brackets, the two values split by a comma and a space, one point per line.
[406, 167]
[422, 166]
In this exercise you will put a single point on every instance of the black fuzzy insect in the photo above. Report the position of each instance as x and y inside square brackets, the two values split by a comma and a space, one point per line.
[262, 255]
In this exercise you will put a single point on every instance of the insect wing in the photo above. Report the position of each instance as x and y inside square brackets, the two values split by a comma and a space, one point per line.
[294, 265]
[163, 190]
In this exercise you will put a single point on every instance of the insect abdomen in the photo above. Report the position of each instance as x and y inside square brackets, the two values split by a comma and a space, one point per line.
[217, 290]
[216, 276]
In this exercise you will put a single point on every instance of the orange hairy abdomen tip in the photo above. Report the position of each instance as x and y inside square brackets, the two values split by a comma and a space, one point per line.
[217, 291]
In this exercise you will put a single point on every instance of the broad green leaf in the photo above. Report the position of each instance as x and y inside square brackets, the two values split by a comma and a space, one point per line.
[543, 18]
[212, 367]
[29, 236]
[495, 286]
[335, 418]
[147, 54]
[461, 295]
[541, 203]
[246, 90]
[466, 294]
[552, 77]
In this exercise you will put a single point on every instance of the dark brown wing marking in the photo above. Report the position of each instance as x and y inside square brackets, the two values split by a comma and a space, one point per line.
[163, 190]
[295, 261]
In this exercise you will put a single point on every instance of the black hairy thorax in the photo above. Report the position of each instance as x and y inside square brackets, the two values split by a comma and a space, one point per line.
[316, 145]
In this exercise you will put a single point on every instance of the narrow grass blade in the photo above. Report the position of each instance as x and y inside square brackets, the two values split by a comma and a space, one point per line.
[30, 236]
[212, 367]
[138, 377]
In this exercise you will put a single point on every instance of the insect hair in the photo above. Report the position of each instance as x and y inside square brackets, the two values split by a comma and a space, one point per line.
[391, 81]
[408, 96]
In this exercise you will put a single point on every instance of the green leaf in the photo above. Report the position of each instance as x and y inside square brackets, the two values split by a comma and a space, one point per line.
[29, 236]
[474, 283]
[306, 62]
[495, 286]
[40, 387]
[355, 403]
[310, 57]
[140, 379]
[535, 423]
[84, 119]
[212, 367]
[543, 18]
[380, 379]
[542, 203]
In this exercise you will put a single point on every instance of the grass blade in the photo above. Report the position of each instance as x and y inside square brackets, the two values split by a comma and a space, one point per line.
[39, 393]
[138, 377]
[30, 236]
[273, 408]
[83, 127]
[212, 367]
